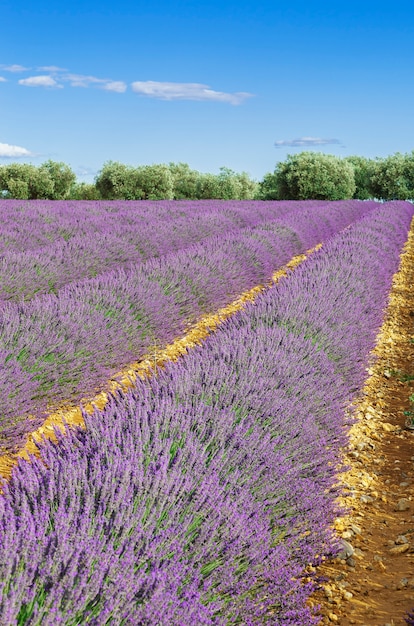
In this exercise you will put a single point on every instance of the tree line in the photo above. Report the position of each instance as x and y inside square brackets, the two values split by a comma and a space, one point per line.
[307, 175]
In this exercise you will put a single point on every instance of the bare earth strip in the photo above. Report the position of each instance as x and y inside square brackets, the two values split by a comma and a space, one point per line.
[72, 415]
[375, 584]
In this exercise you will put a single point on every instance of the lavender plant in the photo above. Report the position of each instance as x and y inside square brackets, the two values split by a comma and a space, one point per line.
[44, 245]
[78, 242]
[68, 343]
[199, 496]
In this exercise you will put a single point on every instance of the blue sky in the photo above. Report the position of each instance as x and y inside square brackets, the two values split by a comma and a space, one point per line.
[232, 83]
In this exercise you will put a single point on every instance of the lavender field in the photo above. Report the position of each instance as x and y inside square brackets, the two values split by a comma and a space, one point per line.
[200, 495]
[60, 343]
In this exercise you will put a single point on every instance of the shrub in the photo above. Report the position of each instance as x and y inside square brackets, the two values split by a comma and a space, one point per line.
[313, 175]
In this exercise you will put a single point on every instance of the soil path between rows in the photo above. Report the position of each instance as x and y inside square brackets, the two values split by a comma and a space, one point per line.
[374, 586]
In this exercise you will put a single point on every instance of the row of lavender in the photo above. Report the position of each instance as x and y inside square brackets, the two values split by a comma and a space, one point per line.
[201, 495]
[28, 225]
[46, 245]
[61, 346]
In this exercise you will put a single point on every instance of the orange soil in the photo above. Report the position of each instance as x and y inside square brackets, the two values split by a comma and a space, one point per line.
[376, 587]
[72, 415]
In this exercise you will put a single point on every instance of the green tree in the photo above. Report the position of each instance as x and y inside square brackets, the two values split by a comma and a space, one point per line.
[314, 175]
[154, 182]
[62, 176]
[185, 181]
[23, 180]
[208, 187]
[268, 187]
[392, 177]
[18, 188]
[247, 188]
[363, 170]
[227, 185]
[115, 181]
[84, 191]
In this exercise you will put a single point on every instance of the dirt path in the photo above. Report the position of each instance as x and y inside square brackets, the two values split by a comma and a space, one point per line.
[375, 584]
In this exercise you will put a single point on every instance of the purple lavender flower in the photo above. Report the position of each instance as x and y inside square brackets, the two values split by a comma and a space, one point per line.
[68, 342]
[199, 496]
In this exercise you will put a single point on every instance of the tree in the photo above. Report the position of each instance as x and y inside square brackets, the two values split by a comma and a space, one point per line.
[62, 176]
[208, 187]
[115, 181]
[18, 188]
[154, 182]
[185, 181]
[119, 181]
[314, 175]
[25, 181]
[84, 191]
[392, 177]
[227, 185]
[268, 187]
[363, 169]
[247, 188]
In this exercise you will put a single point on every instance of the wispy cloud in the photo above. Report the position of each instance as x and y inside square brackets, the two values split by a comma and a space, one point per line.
[305, 142]
[115, 85]
[80, 80]
[14, 68]
[51, 68]
[56, 77]
[8, 151]
[2, 79]
[186, 91]
[39, 81]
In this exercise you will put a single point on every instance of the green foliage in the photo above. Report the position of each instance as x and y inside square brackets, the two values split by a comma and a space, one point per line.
[25, 181]
[247, 187]
[314, 175]
[307, 175]
[84, 191]
[17, 188]
[115, 181]
[227, 185]
[268, 188]
[392, 177]
[363, 169]
[173, 181]
[154, 182]
[207, 187]
[62, 176]
[147, 182]
[185, 181]
[233, 186]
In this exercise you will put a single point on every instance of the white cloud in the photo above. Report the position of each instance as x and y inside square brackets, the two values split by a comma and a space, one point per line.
[51, 68]
[2, 79]
[151, 89]
[115, 85]
[79, 80]
[39, 81]
[14, 68]
[306, 141]
[10, 152]
[186, 91]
